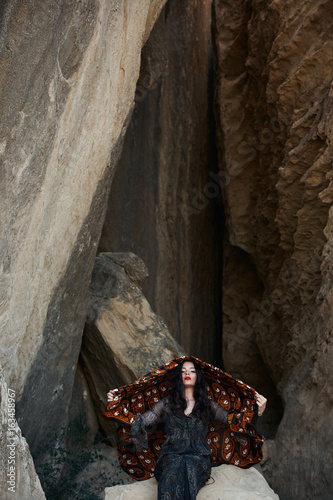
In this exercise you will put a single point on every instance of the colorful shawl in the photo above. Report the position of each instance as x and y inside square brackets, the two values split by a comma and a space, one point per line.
[237, 444]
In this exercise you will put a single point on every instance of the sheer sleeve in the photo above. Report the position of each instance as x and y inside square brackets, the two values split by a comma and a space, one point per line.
[219, 413]
[239, 422]
[138, 431]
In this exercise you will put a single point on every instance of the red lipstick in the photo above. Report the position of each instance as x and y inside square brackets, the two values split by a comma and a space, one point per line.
[187, 378]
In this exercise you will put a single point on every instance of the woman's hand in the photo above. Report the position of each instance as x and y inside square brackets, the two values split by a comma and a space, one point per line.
[261, 402]
[112, 395]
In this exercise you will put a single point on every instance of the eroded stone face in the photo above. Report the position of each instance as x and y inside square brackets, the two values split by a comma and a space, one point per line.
[68, 79]
[274, 99]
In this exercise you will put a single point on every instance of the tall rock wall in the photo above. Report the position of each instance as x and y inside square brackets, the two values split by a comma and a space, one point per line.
[165, 203]
[274, 106]
[67, 84]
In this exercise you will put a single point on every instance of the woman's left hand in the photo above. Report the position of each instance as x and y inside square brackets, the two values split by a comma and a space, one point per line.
[261, 402]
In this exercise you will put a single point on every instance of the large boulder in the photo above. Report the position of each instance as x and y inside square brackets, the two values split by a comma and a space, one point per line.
[229, 482]
[274, 109]
[18, 478]
[68, 78]
[123, 338]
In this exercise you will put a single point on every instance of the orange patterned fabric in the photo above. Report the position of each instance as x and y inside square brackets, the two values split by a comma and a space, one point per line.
[238, 444]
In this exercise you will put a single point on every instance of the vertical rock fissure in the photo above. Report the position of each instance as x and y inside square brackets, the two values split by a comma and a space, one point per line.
[165, 203]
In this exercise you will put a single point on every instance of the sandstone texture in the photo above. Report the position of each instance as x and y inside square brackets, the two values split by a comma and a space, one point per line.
[274, 111]
[231, 483]
[67, 85]
[18, 479]
[165, 190]
[123, 338]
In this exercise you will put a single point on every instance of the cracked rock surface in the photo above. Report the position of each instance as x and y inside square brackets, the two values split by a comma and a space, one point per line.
[274, 101]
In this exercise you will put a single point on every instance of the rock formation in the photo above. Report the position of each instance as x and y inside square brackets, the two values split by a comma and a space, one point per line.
[274, 108]
[18, 477]
[230, 483]
[123, 338]
[165, 191]
[68, 78]
[71, 74]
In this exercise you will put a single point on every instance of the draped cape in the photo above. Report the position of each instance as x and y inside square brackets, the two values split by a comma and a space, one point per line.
[238, 443]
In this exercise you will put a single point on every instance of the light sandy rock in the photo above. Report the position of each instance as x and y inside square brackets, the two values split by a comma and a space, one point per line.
[123, 338]
[18, 478]
[274, 102]
[68, 76]
[231, 483]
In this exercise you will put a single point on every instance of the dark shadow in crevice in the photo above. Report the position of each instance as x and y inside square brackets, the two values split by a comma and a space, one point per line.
[165, 203]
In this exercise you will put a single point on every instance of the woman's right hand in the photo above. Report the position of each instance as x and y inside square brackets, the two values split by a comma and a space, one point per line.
[112, 394]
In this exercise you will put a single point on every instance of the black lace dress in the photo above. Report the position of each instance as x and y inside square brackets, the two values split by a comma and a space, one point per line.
[184, 465]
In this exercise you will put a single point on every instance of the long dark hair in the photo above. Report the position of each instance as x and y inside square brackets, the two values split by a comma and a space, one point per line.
[202, 408]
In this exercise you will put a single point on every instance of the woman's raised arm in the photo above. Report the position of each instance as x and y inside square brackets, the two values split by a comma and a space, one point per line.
[219, 413]
[138, 431]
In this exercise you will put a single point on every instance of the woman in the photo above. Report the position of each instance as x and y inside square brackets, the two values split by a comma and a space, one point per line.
[184, 464]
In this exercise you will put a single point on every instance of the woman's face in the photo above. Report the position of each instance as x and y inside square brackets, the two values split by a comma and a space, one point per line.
[189, 374]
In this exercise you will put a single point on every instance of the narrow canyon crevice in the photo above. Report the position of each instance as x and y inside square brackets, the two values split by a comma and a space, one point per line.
[165, 203]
